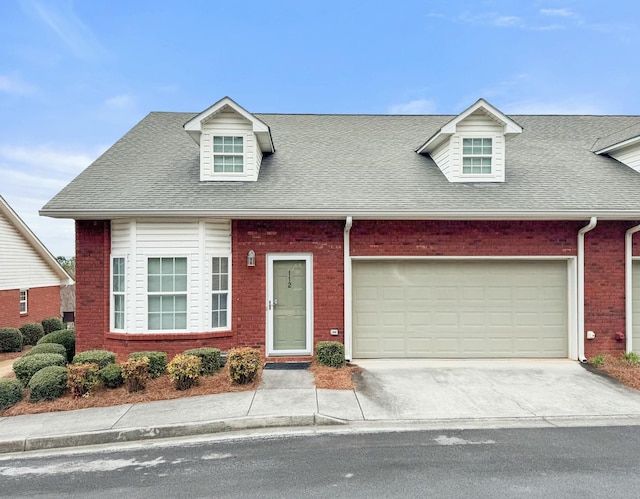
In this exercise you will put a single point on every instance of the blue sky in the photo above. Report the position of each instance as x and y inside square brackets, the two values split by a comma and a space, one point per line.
[76, 75]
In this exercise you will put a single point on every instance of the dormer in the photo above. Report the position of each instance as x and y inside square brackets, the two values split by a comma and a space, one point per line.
[623, 146]
[232, 142]
[471, 147]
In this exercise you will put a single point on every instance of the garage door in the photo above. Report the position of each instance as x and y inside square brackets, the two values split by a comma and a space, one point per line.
[635, 319]
[460, 309]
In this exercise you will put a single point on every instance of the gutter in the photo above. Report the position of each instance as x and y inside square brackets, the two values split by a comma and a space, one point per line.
[628, 283]
[590, 226]
[347, 290]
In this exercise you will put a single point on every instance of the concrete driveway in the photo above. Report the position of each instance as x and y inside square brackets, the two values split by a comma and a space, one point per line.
[470, 389]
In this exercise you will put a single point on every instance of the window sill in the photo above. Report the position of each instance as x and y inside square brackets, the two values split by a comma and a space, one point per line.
[167, 336]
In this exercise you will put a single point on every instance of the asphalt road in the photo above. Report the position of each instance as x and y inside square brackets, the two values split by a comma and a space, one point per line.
[563, 462]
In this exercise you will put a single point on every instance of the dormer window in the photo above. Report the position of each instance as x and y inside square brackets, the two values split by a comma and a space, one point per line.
[476, 156]
[228, 154]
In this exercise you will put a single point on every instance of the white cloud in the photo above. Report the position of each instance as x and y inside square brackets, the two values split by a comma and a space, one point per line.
[31, 176]
[504, 21]
[417, 106]
[121, 102]
[64, 22]
[557, 12]
[13, 84]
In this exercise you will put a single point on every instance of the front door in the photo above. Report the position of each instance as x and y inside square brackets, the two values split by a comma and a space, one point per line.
[289, 305]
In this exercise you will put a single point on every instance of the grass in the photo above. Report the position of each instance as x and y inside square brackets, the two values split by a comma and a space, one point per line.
[162, 389]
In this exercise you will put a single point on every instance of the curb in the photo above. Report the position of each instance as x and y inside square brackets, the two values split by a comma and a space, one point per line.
[169, 431]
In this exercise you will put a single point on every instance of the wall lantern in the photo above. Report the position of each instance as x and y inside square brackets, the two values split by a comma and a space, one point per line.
[251, 258]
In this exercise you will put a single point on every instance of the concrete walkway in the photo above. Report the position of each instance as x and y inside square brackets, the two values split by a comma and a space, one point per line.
[389, 395]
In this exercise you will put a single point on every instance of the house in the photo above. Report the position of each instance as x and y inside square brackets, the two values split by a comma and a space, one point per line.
[30, 277]
[479, 235]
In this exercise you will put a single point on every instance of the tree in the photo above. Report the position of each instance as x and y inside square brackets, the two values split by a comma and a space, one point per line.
[68, 264]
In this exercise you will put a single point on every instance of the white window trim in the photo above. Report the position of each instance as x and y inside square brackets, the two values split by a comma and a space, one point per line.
[211, 291]
[146, 293]
[112, 315]
[231, 175]
[490, 156]
[25, 301]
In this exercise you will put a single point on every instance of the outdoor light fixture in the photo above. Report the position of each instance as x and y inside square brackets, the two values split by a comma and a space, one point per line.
[251, 259]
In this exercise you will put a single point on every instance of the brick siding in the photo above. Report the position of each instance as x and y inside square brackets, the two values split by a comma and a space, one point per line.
[42, 303]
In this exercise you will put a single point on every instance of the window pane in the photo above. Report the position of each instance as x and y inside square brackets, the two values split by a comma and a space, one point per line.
[181, 321]
[222, 319]
[224, 265]
[153, 283]
[154, 321]
[167, 283]
[167, 265]
[180, 283]
[154, 265]
[180, 303]
[181, 266]
[167, 321]
[215, 319]
[224, 284]
[215, 283]
[155, 303]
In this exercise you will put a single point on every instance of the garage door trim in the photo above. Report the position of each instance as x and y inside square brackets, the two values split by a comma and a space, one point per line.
[572, 313]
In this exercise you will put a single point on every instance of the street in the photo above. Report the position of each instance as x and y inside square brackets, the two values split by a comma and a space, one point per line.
[562, 462]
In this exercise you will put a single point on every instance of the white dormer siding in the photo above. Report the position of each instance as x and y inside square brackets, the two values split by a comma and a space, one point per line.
[484, 129]
[229, 124]
[233, 136]
[629, 156]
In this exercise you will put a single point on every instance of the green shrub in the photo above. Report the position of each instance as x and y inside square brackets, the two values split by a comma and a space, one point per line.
[47, 348]
[52, 324]
[66, 337]
[210, 357]
[32, 333]
[244, 364]
[10, 393]
[157, 362]
[135, 373]
[100, 357]
[598, 361]
[26, 367]
[82, 378]
[11, 340]
[48, 383]
[631, 357]
[330, 353]
[184, 371]
[111, 376]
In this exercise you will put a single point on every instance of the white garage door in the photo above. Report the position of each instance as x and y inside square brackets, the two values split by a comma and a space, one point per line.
[635, 319]
[460, 309]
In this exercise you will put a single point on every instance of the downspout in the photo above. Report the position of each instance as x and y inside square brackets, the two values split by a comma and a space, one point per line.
[347, 290]
[628, 284]
[590, 226]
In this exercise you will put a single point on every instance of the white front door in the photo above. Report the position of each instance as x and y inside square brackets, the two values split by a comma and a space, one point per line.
[289, 304]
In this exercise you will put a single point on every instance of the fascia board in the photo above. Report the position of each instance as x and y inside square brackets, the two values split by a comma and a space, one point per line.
[619, 145]
[355, 214]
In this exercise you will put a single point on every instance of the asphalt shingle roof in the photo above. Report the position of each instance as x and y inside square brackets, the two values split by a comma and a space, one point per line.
[358, 165]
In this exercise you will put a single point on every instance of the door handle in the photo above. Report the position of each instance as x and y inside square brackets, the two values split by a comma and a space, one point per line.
[272, 304]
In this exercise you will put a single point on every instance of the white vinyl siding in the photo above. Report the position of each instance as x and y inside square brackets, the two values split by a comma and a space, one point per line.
[630, 156]
[24, 297]
[22, 267]
[460, 308]
[229, 124]
[197, 240]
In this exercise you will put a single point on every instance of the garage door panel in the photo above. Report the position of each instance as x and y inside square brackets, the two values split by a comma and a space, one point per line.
[460, 309]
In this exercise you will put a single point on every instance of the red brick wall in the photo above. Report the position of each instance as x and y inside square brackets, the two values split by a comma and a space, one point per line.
[93, 249]
[324, 239]
[41, 303]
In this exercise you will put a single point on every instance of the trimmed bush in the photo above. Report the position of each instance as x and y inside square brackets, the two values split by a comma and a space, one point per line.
[244, 364]
[66, 337]
[99, 357]
[25, 367]
[157, 362]
[82, 378]
[10, 393]
[47, 348]
[184, 371]
[330, 353]
[11, 340]
[52, 324]
[32, 333]
[111, 376]
[135, 373]
[48, 383]
[210, 357]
